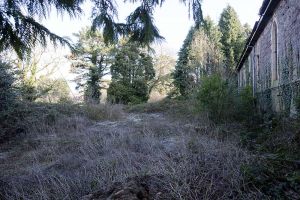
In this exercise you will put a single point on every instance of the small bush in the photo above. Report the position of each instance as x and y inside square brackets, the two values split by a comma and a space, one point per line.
[215, 97]
[121, 92]
[222, 101]
[246, 104]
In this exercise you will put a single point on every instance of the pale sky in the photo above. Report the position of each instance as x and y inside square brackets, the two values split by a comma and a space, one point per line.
[171, 19]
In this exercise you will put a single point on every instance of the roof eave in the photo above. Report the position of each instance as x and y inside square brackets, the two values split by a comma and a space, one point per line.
[266, 11]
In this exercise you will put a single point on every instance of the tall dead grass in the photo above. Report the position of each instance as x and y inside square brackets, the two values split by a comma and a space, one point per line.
[76, 156]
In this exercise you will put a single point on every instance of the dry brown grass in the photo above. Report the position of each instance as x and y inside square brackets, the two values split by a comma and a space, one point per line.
[76, 156]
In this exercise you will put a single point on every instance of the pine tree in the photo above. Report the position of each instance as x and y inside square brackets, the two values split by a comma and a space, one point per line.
[232, 37]
[132, 70]
[181, 73]
[199, 56]
[91, 60]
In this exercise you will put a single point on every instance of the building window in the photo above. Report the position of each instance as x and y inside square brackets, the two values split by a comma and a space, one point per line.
[257, 67]
[274, 51]
[256, 62]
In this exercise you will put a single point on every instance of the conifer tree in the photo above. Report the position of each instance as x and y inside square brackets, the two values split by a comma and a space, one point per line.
[132, 72]
[91, 59]
[181, 73]
[199, 56]
[232, 39]
[20, 31]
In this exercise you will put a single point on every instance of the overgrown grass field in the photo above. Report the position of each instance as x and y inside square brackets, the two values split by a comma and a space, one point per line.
[85, 152]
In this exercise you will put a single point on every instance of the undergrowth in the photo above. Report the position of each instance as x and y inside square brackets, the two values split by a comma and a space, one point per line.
[22, 116]
[276, 170]
[274, 143]
[74, 157]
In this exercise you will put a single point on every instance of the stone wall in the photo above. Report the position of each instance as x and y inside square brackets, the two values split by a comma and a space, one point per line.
[259, 69]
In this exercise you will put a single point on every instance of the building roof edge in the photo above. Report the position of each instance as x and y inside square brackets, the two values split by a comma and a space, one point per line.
[266, 12]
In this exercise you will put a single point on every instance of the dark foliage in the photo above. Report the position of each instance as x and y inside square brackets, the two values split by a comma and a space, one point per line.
[20, 31]
[132, 70]
[7, 90]
[181, 74]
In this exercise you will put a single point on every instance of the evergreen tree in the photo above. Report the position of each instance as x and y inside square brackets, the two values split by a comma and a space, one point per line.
[8, 93]
[233, 38]
[91, 60]
[181, 73]
[199, 56]
[132, 70]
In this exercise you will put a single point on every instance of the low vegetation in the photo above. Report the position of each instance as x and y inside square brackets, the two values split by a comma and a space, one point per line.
[75, 156]
[21, 118]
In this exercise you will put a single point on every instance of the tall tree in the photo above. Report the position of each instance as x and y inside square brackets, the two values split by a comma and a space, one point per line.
[205, 52]
[181, 73]
[91, 60]
[31, 68]
[132, 71]
[164, 66]
[8, 92]
[232, 37]
[20, 31]
[199, 56]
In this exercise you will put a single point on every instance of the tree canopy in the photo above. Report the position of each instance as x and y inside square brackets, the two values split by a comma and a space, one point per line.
[132, 72]
[19, 29]
[91, 60]
[199, 55]
[233, 37]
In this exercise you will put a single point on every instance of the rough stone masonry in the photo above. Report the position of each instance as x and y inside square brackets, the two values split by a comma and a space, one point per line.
[271, 59]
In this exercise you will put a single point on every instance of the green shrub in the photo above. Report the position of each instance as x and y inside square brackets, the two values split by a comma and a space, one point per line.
[215, 97]
[135, 93]
[8, 96]
[222, 101]
[246, 104]
[297, 103]
[7, 90]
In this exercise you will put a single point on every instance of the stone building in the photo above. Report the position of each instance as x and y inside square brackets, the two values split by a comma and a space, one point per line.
[270, 62]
